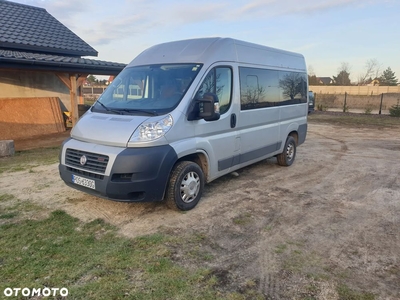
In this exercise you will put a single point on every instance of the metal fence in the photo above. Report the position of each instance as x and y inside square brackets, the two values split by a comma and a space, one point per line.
[355, 90]
[92, 91]
[370, 104]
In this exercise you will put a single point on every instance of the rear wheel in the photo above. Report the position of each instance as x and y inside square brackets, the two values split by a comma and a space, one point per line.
[185, 186]
[286, 158]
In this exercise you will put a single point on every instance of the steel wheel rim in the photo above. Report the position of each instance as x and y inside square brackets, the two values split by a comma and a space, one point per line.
[290, 151]
[190, 187]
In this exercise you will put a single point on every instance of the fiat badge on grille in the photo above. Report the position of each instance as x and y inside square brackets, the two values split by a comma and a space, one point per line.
[83, 160]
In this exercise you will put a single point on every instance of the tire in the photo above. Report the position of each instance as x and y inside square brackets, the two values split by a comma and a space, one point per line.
[286, 158]
[185, 186]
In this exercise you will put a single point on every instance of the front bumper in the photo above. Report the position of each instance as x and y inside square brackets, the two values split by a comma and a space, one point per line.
[136, 174]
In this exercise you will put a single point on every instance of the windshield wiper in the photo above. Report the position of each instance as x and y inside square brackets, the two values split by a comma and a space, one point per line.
[128, 110]
[121, 111]
[109, 109]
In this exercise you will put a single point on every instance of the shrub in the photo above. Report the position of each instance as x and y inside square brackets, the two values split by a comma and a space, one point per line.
[325, 101]
[368, 110]
[395, 110]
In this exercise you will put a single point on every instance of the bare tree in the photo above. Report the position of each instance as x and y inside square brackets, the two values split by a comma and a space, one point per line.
[292, 84]
[372, 70]
[344, 67]
[378, 70]
[311, 70]
[343, 77]
[254, 94]
[312, 78]
[210, 84]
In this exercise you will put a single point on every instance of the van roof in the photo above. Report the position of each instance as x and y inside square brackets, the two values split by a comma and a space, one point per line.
[210, 50]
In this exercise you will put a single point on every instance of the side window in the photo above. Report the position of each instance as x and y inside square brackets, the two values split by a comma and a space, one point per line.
[258, 88]
[293, 88]
[219, 82]
[261, 88]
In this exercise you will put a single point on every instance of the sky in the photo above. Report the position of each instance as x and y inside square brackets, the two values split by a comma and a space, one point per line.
[327, 32]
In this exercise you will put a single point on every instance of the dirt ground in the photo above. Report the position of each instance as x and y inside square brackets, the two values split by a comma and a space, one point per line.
[331, 221]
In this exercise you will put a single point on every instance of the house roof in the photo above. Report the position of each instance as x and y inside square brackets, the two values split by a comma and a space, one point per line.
[24, 27]
[325, 80]
[58, 63]
[31, 38]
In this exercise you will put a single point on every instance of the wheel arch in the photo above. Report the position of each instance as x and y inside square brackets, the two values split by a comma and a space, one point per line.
[295, 135]
[199, 158]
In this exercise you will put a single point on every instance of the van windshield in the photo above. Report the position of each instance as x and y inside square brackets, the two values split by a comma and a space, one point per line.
[152, 89]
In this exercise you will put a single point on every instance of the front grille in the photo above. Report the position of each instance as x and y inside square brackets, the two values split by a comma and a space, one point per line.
[94, 162]
[85, 173]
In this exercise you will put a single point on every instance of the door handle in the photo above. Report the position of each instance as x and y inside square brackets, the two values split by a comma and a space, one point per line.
[233, 120]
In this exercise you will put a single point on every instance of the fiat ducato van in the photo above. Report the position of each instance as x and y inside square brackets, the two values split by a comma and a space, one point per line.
[184, 113]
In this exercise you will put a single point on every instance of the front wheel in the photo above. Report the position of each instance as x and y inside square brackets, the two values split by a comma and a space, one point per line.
[185, 186]
[286, 158]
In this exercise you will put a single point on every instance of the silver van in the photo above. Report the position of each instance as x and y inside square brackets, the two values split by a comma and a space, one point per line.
[184, 113]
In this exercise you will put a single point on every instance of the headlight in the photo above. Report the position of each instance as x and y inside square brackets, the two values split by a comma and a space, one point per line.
[149, 131]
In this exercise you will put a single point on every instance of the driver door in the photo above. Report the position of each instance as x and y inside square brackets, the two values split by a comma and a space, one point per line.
[221, 134]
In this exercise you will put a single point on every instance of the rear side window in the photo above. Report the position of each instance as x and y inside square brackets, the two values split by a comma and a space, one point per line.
[261, 88]
[218, 81]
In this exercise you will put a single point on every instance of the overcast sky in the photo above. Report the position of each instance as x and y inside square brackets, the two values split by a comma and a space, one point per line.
[326, 32]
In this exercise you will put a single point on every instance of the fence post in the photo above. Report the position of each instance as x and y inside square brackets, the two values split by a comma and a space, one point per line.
[380, 107]
[344, 105]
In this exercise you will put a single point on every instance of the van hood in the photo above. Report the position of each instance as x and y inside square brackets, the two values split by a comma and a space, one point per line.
[105, 129]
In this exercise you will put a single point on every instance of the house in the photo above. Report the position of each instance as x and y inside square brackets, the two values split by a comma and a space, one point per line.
[40, 57]
[372, 82]
[325, 80]
[110, 79]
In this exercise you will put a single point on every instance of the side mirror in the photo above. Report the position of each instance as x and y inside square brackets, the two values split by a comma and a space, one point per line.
[209, 107]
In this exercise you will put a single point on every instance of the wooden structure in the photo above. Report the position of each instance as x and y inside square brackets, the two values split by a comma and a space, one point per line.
[34, 43]
[19, 118]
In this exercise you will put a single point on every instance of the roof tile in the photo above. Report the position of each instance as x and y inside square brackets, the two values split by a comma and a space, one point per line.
[24, 27]
[6, 55]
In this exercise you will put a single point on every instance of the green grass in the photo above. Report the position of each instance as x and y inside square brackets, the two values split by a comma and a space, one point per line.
[26, 160]
[9, 215]
[92, 262]
[354, 120]
[242, 219]
[6, 197]
[280, 248]
[13, 209]
[345, 293]
[7, 212]
[295, 259]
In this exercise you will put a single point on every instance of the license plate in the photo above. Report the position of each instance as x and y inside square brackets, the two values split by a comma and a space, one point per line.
[89, 183]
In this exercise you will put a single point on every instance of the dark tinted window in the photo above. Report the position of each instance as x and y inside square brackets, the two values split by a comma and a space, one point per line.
[218, 81]
[293, 88]
[265, 88]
